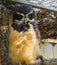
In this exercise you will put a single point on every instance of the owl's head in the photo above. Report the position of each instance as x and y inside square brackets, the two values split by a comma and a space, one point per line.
[23, 15]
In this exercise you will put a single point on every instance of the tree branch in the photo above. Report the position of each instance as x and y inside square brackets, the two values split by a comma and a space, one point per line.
[49, 40]
[48, 61]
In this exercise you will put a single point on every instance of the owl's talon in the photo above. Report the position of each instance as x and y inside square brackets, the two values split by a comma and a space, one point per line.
[42, 58]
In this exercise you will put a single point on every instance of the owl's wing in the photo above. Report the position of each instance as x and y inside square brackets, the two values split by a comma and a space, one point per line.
[38, 53]
[35, 26]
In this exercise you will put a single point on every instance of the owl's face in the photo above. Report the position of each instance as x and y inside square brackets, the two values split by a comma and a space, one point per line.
[23, 15]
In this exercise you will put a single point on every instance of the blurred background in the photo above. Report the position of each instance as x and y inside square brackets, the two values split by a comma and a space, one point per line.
[47, 22]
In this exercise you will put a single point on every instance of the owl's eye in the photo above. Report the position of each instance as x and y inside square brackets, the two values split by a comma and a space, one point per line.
[20, 17]
[30, 16]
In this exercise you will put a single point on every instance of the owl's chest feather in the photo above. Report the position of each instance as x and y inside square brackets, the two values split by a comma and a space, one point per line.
[22, 45]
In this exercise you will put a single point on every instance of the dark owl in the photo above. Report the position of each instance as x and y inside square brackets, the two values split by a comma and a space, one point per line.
[24, 36]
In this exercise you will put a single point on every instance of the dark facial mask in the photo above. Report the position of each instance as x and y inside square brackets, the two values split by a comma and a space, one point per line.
[21, 27]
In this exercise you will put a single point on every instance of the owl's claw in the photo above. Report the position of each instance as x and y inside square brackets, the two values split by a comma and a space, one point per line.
[42, 58]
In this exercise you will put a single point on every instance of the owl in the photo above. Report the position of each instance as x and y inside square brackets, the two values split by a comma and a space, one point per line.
[24, 37]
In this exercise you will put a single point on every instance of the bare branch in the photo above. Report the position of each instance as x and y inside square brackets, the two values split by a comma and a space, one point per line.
[49, 40]
[49, 61]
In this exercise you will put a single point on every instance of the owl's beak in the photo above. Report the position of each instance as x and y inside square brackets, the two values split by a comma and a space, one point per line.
[25, 21]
